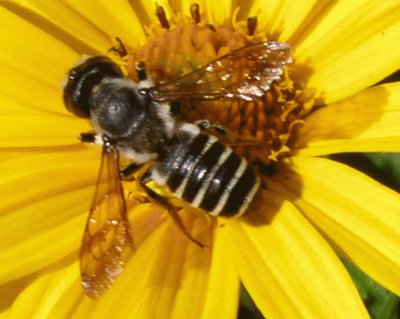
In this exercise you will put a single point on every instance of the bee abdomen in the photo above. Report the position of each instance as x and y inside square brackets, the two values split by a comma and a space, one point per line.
[210, 176]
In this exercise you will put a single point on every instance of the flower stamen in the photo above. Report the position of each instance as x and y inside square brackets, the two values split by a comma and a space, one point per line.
[162, 18]
[251, 25]
[195, 12]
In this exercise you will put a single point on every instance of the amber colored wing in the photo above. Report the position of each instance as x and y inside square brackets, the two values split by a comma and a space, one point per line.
[107, 242]
[246, 73]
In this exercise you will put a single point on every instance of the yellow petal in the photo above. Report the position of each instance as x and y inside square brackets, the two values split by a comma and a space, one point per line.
[67, 296]
[286, 266]
[366, 122]
[40, 96]
[146, 10]
[323, 21]
[219, 13]
[358, 214]
[72, 296]
[10, 291]
[75, 168]
[33, 51]
[48, 295]
[41, 250]
[223, 282]
[40, 130]
[63, 23]
[44, 197]
[28, 226]
[282, 18]
[184, 6]
[116, 19]
[358, 51]
[12, 107]
[206, 279]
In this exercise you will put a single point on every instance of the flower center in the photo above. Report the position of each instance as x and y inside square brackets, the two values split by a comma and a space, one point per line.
[262, 128]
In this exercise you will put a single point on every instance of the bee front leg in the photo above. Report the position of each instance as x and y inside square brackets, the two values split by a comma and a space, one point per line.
[119, 49]
[145, 81]
[91, 138]
[98, 139]
[171, 209]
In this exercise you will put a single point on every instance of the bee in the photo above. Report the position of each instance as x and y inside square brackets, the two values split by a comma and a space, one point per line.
[134, 120]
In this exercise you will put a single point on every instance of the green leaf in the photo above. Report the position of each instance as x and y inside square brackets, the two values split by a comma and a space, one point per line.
[388, 164]
[381, 303]
[247, 307]
[384, 167]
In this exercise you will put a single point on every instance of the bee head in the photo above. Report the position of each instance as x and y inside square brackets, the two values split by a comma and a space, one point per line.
[83, 78]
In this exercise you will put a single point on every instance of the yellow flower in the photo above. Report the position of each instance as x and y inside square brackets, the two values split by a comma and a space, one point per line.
[286, 252]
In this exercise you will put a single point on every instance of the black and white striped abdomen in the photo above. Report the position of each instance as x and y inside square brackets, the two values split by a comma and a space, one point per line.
[207, 174]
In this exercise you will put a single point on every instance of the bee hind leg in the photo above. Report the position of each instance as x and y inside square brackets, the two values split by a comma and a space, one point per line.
[231, 138]
[127, 172]
[171, 209]
[206, 125]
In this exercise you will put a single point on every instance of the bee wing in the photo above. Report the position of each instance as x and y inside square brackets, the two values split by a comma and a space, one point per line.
[107, 243]
[246, 73]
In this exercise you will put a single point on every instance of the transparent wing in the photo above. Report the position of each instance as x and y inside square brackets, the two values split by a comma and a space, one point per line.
[246, 73]
[107, 243]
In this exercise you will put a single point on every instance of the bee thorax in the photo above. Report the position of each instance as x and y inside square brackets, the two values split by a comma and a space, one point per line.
[116, 107]
[137, 157]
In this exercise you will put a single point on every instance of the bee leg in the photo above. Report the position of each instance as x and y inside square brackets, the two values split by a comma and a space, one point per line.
[206, 125]
[119, 49]
[219, 129]
[127, 172]
[175, 108]
[171, 209]
[232, 139]
[98, 139]
[144, 81]
[91, 138]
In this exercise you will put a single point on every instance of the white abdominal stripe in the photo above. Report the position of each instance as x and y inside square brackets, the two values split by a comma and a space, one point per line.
[210, 176]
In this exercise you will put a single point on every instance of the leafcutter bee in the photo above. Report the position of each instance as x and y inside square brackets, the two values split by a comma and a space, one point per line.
[134, 120]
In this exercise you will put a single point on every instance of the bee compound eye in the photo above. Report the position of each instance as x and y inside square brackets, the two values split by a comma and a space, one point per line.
[81, 81]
